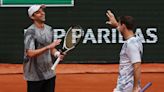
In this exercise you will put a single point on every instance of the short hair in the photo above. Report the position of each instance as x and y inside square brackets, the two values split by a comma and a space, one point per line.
[128, 21]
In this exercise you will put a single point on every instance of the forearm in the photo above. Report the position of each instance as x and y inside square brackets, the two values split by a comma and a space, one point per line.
[137, 74]
[33, 53]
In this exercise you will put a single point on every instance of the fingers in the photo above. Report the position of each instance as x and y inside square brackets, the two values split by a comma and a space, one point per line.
[61, 57]
[54, 43]
[111, 19]
[57, 42]
[109, 14]
[63, 53]
[108, 22]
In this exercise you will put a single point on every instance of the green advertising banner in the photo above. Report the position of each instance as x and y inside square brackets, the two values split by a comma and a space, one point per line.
[25, 3]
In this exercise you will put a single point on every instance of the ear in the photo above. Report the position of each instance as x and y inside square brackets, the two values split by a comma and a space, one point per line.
[32, 17]
[124, 26]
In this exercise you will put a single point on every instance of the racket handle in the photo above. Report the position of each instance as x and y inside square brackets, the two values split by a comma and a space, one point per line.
[55, 64]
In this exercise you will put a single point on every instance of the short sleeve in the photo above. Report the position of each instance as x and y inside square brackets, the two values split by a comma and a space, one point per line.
[52, 31]
[133, 53]
[29, 41]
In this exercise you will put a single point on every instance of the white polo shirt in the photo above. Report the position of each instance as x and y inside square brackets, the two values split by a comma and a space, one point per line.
[131, 53]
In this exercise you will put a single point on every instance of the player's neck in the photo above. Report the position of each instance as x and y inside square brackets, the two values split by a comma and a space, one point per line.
[39, 25]
[128, 34]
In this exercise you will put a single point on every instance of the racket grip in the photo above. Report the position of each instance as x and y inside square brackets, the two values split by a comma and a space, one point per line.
[55, 64]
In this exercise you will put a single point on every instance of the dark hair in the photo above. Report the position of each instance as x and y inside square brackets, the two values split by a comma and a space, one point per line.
[128, 21]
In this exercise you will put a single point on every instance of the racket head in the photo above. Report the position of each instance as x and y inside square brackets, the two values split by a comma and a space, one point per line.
[72, 37]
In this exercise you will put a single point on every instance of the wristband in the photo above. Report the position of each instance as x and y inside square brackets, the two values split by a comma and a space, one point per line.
[57, 53]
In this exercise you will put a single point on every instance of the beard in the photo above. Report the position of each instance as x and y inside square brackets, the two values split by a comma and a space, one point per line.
[41, 19]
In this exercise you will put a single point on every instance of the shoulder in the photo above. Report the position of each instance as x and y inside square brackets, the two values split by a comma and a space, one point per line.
[135, 42]
[30, 30]
[132, 43]
[48, 27]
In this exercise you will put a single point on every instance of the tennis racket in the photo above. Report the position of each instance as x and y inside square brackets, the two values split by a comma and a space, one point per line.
[146, 87]
[71, 40]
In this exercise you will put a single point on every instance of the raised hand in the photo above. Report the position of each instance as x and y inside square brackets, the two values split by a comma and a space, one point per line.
[111, 19]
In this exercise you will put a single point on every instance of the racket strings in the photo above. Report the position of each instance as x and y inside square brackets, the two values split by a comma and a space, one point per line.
[69, 41]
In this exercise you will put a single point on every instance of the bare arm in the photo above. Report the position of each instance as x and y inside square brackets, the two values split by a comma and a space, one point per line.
[137, 76]
[33, 53]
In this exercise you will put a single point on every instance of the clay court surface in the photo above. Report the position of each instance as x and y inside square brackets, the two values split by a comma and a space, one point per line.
[82, 77]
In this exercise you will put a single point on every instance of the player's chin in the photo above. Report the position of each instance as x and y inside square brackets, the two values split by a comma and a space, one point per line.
[43, 19]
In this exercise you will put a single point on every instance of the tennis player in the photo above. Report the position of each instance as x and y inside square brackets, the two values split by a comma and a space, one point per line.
[130, 55]
[39, 52]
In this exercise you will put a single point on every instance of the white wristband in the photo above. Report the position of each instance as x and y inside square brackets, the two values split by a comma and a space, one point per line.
[57, 53]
